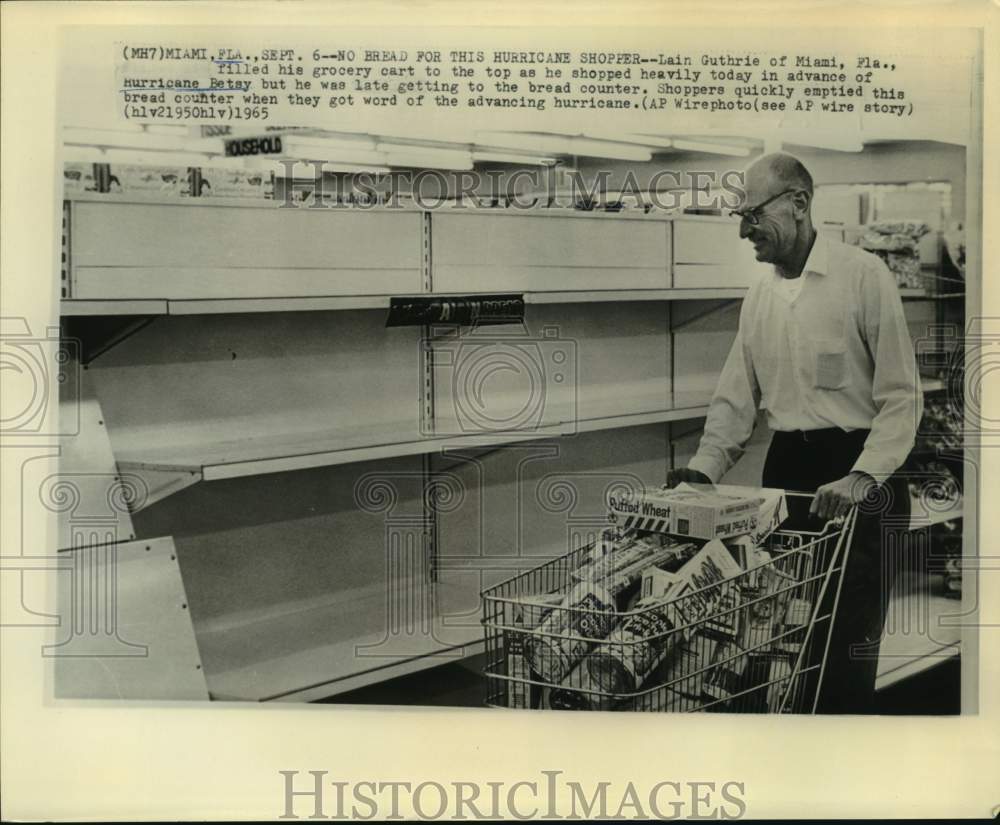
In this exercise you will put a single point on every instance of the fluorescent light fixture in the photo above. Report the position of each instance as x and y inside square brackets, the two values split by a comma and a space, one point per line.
[220, 162]
[83, 154]
[426, 157]
[406, 147]
[125, 140]
[306, 171]
[487, 155]
[710, 148]
[426, 134]
[212, 145]
[420, 160]
[315, 146]
[343, 157]
[120, 127]
[771, 144]
[654, 141]
[356, 167]
[141, 158]
[155, 158]
[609, 149]
[527, 141]
[300, 149]
[169, 129]
[826, 141]
[564, 145]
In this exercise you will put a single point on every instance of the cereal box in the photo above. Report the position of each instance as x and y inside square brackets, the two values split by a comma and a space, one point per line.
[687, 511]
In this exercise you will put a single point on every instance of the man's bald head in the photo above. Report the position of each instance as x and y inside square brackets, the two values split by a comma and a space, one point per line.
[774, 173]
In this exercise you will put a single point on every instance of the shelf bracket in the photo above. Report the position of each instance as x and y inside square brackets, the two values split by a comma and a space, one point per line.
[158, 483]
[693, 311]
[102, 333]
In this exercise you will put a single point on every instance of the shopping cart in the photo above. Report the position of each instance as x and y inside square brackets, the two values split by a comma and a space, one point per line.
[755, 642]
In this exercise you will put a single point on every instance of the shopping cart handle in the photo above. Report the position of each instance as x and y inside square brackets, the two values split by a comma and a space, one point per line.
[801, 514]
[834, 523]
[828, 526]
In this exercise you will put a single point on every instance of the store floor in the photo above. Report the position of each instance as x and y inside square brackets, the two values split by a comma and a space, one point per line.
[460, 684]
[934, 692]
[456, 684]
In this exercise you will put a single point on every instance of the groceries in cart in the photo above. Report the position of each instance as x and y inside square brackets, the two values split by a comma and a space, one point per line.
[693, 600]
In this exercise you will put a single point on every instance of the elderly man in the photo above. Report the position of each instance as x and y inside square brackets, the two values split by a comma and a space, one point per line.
[824, 350]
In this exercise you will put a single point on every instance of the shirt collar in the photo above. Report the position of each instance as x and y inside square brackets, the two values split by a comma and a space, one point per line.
[818, 260]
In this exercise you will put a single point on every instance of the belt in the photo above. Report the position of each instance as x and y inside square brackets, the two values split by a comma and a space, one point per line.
[824, 436]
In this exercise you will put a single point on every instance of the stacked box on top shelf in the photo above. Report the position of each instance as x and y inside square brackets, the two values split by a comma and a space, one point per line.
[221, 182]
[78, 178]
[897, 242]
[162, 181]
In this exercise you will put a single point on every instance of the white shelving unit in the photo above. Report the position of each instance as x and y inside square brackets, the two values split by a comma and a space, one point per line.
[294, 449]
[251, 390]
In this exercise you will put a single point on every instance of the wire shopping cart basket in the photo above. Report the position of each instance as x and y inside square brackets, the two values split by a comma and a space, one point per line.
[755, 641]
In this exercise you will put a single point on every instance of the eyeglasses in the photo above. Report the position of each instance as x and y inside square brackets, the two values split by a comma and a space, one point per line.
[752, 215]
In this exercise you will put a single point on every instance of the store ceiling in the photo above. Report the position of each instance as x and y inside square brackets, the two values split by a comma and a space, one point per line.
[246, 147]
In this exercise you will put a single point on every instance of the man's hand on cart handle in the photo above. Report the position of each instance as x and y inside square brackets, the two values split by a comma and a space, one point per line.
[686, 474]
[833, 500]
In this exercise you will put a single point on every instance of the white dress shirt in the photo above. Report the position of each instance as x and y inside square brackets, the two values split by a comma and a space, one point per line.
[836, 352]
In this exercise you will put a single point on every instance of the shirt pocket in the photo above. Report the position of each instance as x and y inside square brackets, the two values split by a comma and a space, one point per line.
[830, 363]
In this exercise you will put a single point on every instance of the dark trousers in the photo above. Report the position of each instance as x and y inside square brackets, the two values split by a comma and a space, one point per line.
[803, 462]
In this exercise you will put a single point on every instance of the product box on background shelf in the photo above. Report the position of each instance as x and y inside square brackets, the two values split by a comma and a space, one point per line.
[169, 181]
[217, 182]
[897, 243]
[686, 510]
[78, 178]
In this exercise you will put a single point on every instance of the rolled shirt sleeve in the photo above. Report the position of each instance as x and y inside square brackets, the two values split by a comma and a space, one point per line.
[896, 390]
[732, 412]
